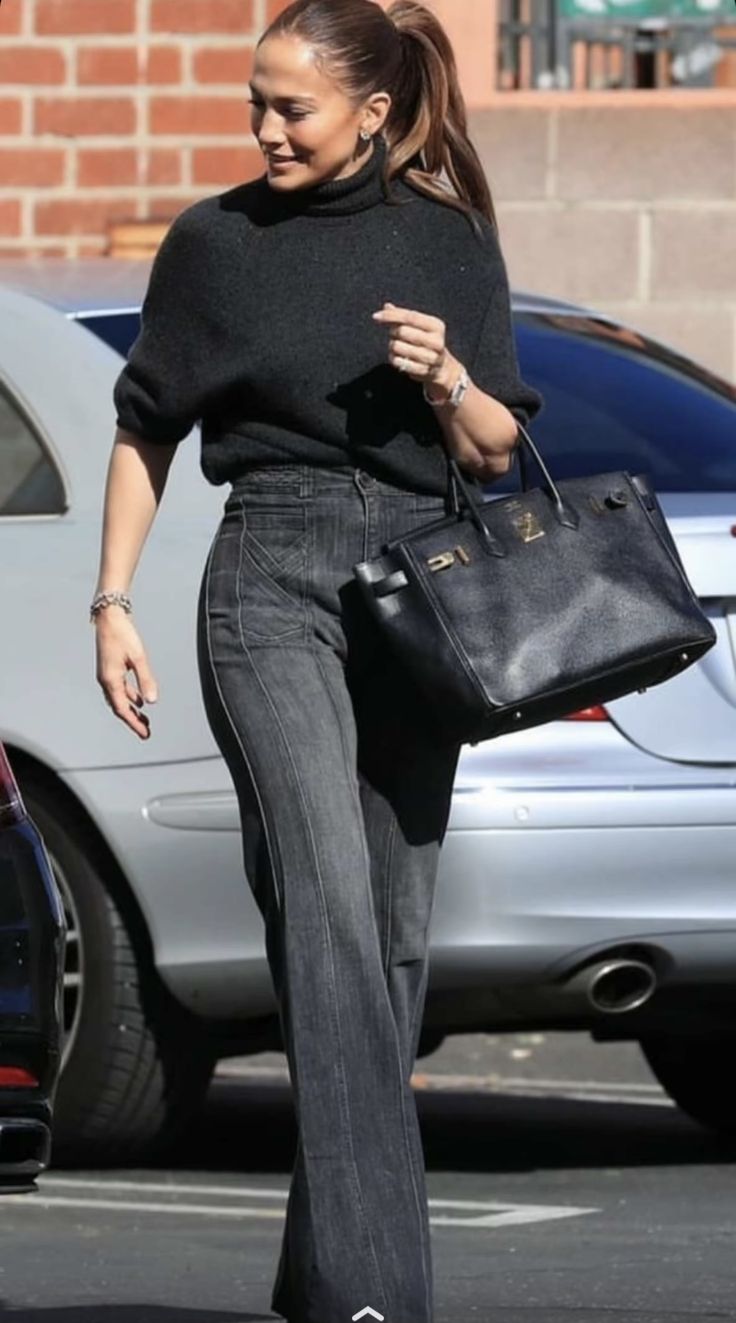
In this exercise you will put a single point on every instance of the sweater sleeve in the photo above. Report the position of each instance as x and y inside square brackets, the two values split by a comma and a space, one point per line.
[161, 391]
[495, 367]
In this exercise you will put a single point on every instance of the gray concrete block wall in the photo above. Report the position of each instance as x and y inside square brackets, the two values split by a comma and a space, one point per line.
[630, 209]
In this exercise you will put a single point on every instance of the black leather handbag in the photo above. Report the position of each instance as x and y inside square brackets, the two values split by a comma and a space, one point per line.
[517, 610]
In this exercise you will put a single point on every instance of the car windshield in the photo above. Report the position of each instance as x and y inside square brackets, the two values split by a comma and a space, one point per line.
[614, 399]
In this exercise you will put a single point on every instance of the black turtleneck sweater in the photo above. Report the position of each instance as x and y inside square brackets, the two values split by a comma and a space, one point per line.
[257, 322]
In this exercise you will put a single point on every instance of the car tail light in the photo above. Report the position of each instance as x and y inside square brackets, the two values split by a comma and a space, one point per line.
[597, 713]
[15, 1077]
[11, 804]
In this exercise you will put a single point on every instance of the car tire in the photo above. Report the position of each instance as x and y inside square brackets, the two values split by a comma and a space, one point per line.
[135, 1066]
[696, 1074]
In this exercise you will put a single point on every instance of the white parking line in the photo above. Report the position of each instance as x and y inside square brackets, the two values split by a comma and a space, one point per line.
[507, 1215]
[454, 1212]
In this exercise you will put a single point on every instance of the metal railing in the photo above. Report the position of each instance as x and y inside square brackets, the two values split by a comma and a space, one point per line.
[541, 48]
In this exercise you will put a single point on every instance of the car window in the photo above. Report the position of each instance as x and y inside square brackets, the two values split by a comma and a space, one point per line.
[615, 400]
[117, 329]
[29, 481]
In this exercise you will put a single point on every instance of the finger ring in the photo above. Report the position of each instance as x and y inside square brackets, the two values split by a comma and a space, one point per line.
[403, 364]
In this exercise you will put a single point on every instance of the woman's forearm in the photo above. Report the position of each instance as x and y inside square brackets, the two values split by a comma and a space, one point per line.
[482, 431]
[136, 479]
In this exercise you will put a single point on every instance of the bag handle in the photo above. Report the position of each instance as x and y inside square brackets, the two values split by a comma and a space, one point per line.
[456, 480]
[563, 511]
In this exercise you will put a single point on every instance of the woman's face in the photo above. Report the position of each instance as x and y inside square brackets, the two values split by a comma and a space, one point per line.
[303, 118]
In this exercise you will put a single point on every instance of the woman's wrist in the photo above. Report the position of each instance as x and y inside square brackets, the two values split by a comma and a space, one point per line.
[449, 388]
[109, 599]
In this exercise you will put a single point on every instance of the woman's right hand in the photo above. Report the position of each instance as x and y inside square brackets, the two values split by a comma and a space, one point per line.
[120, 651]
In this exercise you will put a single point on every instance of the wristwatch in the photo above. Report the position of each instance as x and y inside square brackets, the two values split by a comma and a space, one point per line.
[456, 396]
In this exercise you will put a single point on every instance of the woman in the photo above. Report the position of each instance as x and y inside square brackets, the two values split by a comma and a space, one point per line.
[339, 326]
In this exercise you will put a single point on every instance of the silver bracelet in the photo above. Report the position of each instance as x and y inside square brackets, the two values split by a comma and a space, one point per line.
[113, 597]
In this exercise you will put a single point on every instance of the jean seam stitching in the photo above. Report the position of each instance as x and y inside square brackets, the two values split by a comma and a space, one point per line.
[366, 856]
[291, 555]
[307, 600]
[402, 1087]
[332, 981]
[272, 853]
[293, 630]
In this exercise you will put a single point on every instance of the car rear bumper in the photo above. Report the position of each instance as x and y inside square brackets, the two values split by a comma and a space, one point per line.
[522, 904]
[25, 1149]
[551, 860]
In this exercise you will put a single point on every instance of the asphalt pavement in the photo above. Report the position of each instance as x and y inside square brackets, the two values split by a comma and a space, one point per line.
[564, 1188]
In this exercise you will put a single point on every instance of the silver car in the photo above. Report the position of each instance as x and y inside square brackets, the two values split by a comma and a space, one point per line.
[588, 876]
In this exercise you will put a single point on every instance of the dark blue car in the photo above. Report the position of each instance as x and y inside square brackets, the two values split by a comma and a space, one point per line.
[32, 934]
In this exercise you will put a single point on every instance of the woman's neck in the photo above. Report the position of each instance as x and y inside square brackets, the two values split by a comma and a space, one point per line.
[338, 197]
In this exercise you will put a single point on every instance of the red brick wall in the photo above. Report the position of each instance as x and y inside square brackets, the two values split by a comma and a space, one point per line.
[119, 109]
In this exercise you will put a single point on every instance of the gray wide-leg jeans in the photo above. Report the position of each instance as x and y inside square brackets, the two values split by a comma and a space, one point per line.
[344, 790]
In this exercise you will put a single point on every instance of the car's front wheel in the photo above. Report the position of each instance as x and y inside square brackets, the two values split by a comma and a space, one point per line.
[697, 1073]
[135, 1067]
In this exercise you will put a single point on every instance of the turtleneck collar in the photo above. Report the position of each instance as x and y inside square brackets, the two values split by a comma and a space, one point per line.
[337, 197]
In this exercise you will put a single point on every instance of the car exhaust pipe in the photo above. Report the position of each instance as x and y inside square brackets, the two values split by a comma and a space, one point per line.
[614, 986]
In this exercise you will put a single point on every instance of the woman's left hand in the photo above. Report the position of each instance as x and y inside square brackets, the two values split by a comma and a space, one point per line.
[417, 347]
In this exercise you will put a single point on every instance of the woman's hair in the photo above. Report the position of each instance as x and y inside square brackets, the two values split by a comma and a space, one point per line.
[406, 52]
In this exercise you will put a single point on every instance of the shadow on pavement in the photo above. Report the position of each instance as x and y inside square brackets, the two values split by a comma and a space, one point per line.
[250, 1127]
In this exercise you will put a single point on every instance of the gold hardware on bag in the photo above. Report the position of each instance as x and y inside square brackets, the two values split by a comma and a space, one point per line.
[529, 526]
[462, 555]
[442, 561]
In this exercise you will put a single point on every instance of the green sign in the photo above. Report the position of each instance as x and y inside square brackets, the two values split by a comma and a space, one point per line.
[714, 11]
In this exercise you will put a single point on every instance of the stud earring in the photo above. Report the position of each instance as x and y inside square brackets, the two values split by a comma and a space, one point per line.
[365, 134]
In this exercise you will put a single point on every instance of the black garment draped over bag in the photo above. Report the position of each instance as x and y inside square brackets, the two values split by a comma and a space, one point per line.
[518, 610]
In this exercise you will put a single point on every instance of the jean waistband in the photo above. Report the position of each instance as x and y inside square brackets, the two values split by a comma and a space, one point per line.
[309, 479]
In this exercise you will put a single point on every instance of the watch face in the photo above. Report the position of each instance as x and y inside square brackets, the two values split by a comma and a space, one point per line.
[459, 389]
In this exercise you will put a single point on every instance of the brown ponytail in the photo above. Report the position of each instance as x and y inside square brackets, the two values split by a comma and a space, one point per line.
[406, 52]
[428, 119]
